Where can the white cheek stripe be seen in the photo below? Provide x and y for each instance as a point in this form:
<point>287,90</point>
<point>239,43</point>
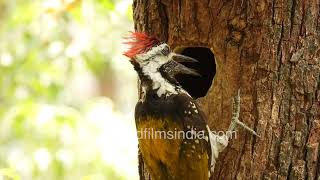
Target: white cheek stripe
<point>151,69</point>
<point>158,82</point>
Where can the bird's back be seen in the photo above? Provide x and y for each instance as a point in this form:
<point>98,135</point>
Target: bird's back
<point>169,137</point>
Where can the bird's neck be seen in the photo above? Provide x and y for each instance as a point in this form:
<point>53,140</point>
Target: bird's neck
<point>155,82</point>
<point>159,85</point>
<point>152,80</point>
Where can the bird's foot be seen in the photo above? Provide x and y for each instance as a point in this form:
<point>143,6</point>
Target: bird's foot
<point>219,143</point>
<point>235,116</point>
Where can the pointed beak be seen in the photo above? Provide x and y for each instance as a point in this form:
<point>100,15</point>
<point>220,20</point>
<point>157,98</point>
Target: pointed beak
<point>175,67</point>
<point>178,68</point>
<point>182,58</point>
<point>181,69</point>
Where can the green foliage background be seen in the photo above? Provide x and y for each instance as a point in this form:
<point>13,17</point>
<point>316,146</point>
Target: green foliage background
<point>66,93</point>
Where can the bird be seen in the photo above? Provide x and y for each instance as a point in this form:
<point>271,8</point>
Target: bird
<point>174,138</point>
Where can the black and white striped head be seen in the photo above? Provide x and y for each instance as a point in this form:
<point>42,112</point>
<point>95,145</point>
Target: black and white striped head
<point>155,60</point>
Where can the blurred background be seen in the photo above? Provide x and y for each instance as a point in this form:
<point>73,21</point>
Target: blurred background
<point>67,94</point>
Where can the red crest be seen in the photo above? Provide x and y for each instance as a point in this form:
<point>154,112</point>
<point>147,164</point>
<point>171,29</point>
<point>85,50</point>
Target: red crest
<point>139,43</point>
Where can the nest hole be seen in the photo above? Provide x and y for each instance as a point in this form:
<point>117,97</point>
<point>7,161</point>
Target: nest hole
<point>198,86</point>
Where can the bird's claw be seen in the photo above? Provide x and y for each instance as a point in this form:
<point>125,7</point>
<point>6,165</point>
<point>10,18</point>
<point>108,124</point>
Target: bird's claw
<point>235,116</point>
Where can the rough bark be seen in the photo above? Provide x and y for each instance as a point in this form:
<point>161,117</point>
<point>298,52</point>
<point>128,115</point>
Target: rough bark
<point>271,51</point>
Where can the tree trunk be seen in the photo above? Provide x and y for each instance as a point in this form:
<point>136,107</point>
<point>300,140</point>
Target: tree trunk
<point>271,51</point>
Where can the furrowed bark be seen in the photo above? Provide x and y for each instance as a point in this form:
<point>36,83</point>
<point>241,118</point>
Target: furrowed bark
<point>271,51</point>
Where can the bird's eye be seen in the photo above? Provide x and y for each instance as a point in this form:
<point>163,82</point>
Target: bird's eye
<point>166,50</point>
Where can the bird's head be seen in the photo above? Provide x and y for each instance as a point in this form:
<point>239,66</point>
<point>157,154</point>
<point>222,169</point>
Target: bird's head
<point>152,58</point>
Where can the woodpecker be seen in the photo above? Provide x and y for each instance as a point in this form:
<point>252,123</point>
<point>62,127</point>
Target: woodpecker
<point>165,108</point>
